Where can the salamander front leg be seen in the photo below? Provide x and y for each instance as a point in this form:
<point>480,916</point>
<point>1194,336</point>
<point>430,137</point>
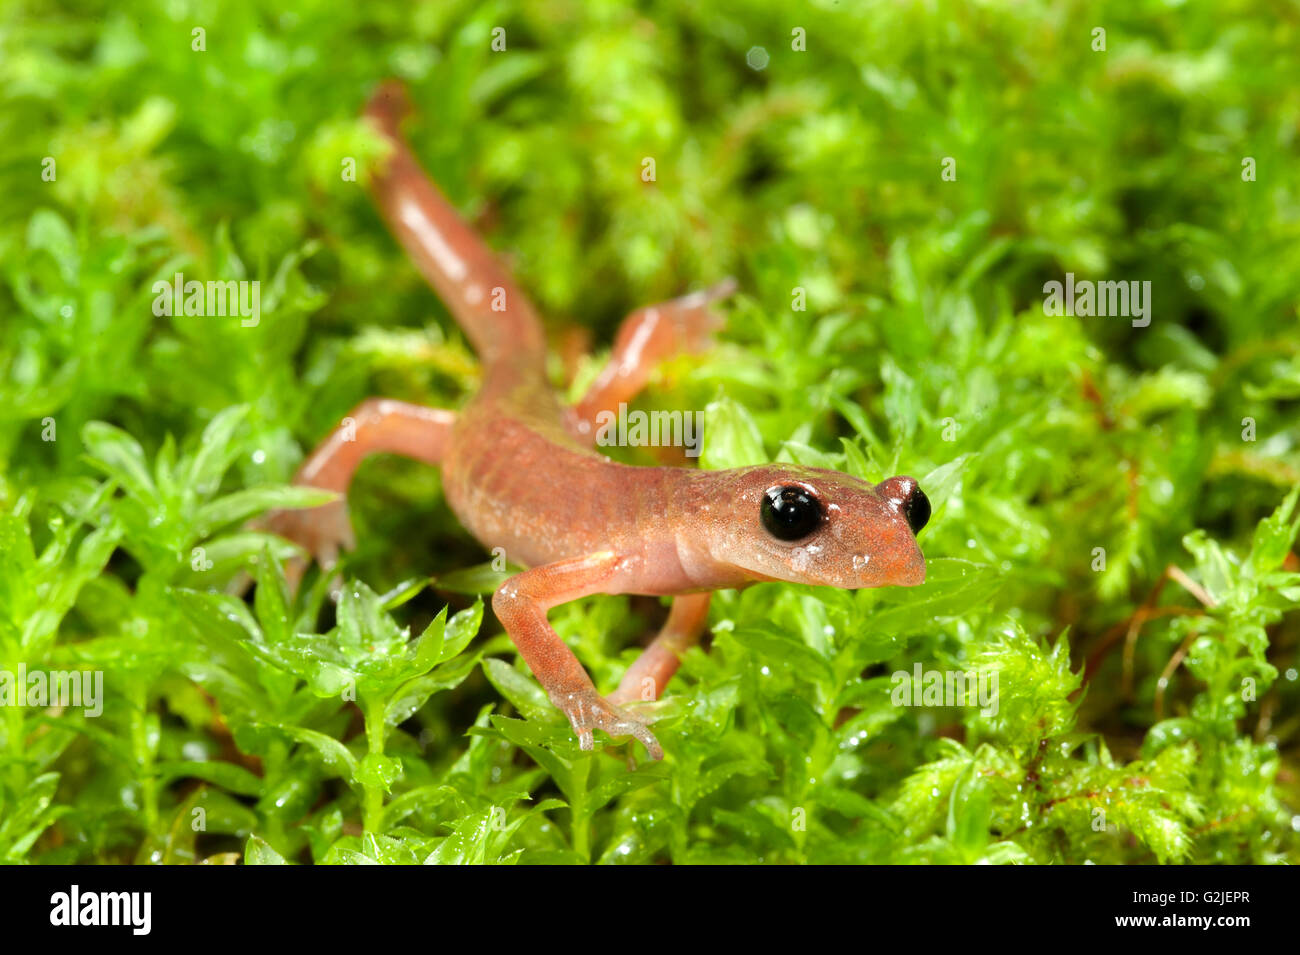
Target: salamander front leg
<point>521,604</point>
<point>646,678</point>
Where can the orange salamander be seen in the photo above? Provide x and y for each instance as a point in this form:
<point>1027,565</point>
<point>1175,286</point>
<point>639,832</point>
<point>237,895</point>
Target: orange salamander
<point>520,473</point>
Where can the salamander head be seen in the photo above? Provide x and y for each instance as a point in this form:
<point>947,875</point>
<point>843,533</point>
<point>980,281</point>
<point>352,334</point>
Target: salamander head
<point>815,526</point>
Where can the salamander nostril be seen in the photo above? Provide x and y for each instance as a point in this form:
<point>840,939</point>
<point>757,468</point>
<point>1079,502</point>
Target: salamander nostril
<point>916,508</point>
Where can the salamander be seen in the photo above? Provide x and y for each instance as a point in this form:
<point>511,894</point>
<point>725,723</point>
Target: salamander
<point>520,471</point>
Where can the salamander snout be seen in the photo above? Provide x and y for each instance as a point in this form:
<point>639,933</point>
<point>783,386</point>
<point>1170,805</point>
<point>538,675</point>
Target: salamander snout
<point>901,509</point>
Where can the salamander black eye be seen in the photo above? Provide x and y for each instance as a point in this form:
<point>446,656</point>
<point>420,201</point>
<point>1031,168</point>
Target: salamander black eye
<point>790,512</point>
<point>903,494</point>
<point>917,510</point>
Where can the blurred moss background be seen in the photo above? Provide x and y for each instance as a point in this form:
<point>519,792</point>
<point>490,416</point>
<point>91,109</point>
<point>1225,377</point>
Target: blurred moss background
<point>146,137</point>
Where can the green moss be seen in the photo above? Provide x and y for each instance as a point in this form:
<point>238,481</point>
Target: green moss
<point>1070,460</point>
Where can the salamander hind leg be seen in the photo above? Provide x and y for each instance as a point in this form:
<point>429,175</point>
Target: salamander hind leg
<point>646,338</point>
<point>375,426</point>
